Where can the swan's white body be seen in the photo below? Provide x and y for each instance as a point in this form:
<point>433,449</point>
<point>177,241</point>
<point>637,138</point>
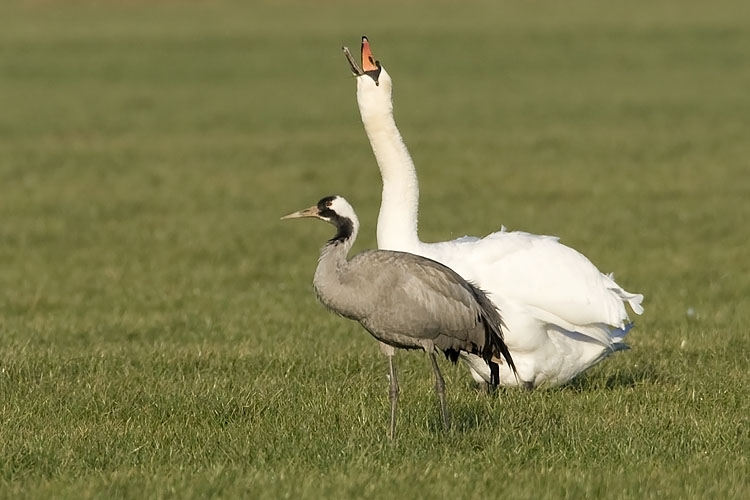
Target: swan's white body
<point>562,315</point>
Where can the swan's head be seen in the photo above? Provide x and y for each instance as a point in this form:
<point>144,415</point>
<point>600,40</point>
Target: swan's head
<point>336,211</point>
<point>374,84</point>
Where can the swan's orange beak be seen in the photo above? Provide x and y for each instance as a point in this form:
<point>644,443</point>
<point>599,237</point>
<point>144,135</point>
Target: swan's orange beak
<point>368,60</point>
<point>370,66</point>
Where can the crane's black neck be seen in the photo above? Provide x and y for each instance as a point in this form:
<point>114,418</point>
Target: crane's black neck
<point>344,229</point>
<point>344,225</point>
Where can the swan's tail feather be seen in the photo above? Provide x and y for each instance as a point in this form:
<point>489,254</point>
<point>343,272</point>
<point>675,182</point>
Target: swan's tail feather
<point>618,335</point>
<point>634,299</point>
<point>620,346</point>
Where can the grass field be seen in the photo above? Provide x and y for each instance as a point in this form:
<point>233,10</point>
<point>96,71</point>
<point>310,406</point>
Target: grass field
<point>159,337</point>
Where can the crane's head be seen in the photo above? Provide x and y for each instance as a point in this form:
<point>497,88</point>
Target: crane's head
<point>336,211</point>
<point>374,84</point>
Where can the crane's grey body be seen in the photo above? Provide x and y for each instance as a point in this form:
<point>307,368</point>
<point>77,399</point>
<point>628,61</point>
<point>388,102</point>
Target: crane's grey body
<point>405,301</point>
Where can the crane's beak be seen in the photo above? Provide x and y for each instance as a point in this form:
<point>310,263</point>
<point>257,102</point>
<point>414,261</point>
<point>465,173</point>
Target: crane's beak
<point>369,67</point>
<point>308,212</point>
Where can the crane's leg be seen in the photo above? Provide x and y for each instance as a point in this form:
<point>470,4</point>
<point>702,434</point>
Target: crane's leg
<point>440,390</point>
<point>393,391</point>
<point>393,394</point>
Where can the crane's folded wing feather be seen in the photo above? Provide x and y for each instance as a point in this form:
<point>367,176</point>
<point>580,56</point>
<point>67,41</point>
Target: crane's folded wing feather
<point>418,296</point>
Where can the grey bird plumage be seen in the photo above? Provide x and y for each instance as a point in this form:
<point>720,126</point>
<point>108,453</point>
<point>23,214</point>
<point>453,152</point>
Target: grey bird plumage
<point>404,300</point>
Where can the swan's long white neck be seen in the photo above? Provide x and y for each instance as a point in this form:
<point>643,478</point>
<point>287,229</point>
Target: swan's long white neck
<point>397,221</point>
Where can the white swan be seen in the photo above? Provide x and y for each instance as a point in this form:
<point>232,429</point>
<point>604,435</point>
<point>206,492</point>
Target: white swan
<point>562,315</point>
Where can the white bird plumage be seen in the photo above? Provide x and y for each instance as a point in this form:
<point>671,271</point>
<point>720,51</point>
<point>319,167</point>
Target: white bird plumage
<point>562,315</point>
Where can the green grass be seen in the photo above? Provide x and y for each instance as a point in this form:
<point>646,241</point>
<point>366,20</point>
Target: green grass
<point>158,333</point>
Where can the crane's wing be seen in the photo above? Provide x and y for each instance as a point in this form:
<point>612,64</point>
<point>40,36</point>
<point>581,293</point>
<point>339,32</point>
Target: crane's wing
<point>414,290</point>
<point>417,298</point>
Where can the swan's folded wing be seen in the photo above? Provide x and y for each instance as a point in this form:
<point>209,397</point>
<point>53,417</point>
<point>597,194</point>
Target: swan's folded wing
<point>541,273</point>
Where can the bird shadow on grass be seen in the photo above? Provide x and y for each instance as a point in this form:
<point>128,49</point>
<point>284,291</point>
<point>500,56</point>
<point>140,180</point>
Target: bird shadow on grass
<point>630,378</point>
<point>468,415</point>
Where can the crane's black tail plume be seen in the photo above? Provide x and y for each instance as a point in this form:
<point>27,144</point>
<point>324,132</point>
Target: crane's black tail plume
<point>494,343</point>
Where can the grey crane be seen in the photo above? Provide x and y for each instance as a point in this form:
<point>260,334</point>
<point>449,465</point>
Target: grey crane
<point>405,301</point>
